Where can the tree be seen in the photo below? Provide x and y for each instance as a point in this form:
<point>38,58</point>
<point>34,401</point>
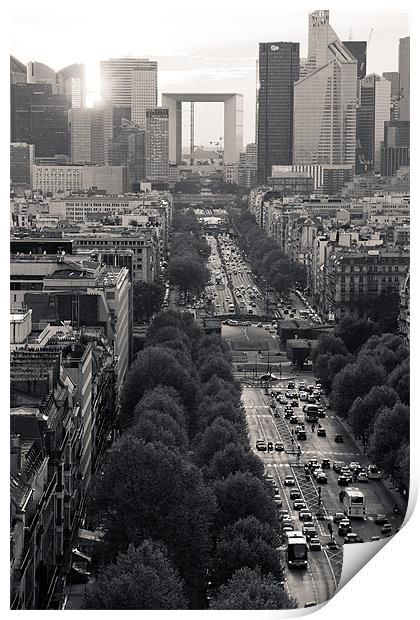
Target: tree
<point>224,405</point>
<point>241,495</point>
<point>363,411</point>
<point>234,458</point>
<point>383,309</point>
<point>155,366</point>
<point>355,332</point>
<point>187,272</point>
<point>402,467</point>
<point>216,366</point>
<point>163,399</point>
<point>389,350</point>
<point>215,438</point>
<point>249,589</point>
<point>392,430</point>
<point>399,379</point>
<point>154,426</point>
<point>328,365</point>
<point>355,380</point>
<point>328,343</point>
<point>149,491</point>
<point>147,299</point>
<point>142,578</point>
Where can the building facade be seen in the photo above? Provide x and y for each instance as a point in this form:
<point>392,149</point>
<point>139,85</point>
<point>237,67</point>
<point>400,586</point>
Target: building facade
<point>372,114</point>
<point>64,179</point>
<point>325,100</point>
<point>39,117</point>
<point>404,73</point>
<point>278,70</point>
<point>157,145</point>
<point>21,163</point>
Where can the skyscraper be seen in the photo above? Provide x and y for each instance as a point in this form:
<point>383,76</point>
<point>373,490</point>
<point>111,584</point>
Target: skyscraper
<point>358,50</point>
<point>130,82</point>
<point>21,162</point>
<point>404,71</point>
<point>80,129</point>
<point>73,84</point>
<point>278,71</point>
<point>395,151</point>
<point>325,99</point>
<point>157,144</point>
<point>374,110</point>
<point>39,117</point>
<point>394,78</point>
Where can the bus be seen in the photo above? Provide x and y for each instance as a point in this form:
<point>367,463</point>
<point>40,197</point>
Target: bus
<point>297,550</point>
<point>354,503</point>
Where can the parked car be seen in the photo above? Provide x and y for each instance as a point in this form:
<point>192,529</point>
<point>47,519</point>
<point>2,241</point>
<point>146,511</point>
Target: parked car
<point>278,447</point>
<point>261,446</point>
<point>289,481</point>
<point>339,438</point>
<point>321,432</point>
<point>381,519</point>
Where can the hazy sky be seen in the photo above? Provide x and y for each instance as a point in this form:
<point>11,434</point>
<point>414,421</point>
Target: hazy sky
<point>200,46</point>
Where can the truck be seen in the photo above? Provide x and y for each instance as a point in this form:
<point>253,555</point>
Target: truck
<point>297,550</point>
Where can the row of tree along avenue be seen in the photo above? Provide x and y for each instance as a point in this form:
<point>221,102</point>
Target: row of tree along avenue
<point>367,376</point>
<point>267,259</point>
<point>187,515</point>
<point>189,253</point>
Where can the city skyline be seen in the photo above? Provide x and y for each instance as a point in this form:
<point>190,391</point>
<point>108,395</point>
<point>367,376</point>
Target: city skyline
<point>193,60</point>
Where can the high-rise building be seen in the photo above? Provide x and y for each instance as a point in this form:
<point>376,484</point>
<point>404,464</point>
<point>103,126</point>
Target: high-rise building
<point>74,88</point>
<point>395,152</point>
<point>39,117</point>
<point>157,144</point>
<point>17,71</point>
<point>69,81</point>
<point>404,71</point>
<point>130,82</point>
<point>358,50</point>
<point>374,110</point>
<point>278,71</point>
<point>21,162</point>
<point>325,100</point>
<point>394,78</point>
<point>80,129</point>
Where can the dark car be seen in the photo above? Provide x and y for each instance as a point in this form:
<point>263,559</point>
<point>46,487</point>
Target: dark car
<point>294,494</point>
<point>352,538</point>
<point>302,434</point>
<point>321,432</point>
<point>278,447</point>
<point>291,385</point>
<point>294,419</point>
<point>339,438</point>
<point>381,519</point>
<point>305,515</point>
<point>386,529</point>
<point>321,412</point>
<point>344,527</point>
<point>288,415</point>
<point>261,446</point>
<point>321,478</point>
<point>294,403</point>
<point>314,544</point>
<point>299,504</point>
<point>343,481</point>
<point>326,464</point>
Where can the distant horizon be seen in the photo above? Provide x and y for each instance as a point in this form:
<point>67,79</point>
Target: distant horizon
<point>194,60</point>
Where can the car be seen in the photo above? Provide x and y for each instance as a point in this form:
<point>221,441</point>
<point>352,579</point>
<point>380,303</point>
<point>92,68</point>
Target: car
<point>321,412</point>
<point>326,464</point>
<point>305,515</point>
<point>301,385</point>
<point>288,394</point>
<point>288,414</point>
<point>321,432</point>
<point>375,538</point>
<point>270,480</point>
<point>259,324</point>
<point>301,434</point>
<point>322,478</point>
<point>291,385</point>
<point>311,533</point>
<point>314,544</point>
<point>344,527</point>
<point>283,400</point>
<point>278,500</point>
<point>386,529</point>
<point>355,466</point>
<point>311,604</point>
<point>288,409</point>
<point>303,396</point>
<point>289,481</point>
<point>311,399</point>
<point>299,504</point>
<point>294,403</point>
<point>314,464</point>
<point>352,537</point>
<point>338,517</point>
<point>261,446</point>
<point>278,447</point>
<point>287,528</point>
<point>339,438</point>
<point>294,419</point>
<point>294,494</point>
<point>381,519</point>
<point>276,414</point>
<point>362,476</point>
<point>284,513</point>
<point>307,526</point>
<point>338,465</point>
<point>343,481</point>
